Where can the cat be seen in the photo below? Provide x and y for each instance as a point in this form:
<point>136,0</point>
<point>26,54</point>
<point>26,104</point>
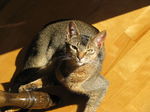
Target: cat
<point>78,49</point>
<point>79,70</point>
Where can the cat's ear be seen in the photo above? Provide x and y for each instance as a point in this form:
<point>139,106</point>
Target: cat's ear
<point>72,29</point>
<point>99,39</point>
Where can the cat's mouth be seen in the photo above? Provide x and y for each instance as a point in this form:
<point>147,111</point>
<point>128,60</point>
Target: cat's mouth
<point>80,63</point>
<point>75,61</point>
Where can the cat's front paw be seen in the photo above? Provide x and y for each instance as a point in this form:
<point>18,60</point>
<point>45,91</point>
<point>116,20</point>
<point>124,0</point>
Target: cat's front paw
<point>31,86</point>
<point>28,87</point>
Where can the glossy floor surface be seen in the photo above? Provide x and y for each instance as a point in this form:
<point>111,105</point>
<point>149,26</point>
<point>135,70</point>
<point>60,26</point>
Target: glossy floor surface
<point>127,62</point>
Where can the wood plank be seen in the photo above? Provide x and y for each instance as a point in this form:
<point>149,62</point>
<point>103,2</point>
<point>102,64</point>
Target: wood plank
<point>8,65</point>
<point>119,43</point>
<point>132,95</point>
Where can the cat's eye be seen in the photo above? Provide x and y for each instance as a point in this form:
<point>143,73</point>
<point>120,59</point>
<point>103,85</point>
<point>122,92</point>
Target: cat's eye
<point>90,51</point>
<point>73,47</point>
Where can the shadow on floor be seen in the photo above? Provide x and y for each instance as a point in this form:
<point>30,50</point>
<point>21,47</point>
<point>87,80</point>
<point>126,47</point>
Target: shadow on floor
<point>21,19</point>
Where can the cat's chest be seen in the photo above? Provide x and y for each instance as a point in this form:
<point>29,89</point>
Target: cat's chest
<point>75,74</point>
<point>74,79</point>
<point>68,67</point>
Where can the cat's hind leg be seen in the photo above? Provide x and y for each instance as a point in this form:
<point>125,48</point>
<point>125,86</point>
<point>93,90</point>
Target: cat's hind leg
<point>95,96</point>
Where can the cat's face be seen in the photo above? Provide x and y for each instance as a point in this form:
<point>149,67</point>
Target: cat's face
<point>81,48</point>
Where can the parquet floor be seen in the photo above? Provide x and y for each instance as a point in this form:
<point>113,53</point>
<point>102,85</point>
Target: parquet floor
<point>127,63</point>
<point>126,66</point>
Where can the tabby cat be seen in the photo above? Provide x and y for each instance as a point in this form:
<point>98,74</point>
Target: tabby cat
<point>78,49</point>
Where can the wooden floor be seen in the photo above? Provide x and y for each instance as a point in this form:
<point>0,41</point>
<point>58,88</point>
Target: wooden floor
<point>126,66</point>
<point>127,63</point>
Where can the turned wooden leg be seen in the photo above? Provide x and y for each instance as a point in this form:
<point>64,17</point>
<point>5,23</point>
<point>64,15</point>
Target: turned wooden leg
<point>28,100</point>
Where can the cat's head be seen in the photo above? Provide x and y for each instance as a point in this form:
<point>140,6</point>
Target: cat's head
<point>82,48</point>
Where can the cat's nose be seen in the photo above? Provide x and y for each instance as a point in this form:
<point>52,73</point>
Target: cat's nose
<point>81,55</point>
